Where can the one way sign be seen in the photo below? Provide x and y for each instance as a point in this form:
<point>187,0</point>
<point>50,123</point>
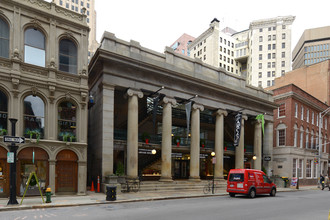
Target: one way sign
<point>17,140</point>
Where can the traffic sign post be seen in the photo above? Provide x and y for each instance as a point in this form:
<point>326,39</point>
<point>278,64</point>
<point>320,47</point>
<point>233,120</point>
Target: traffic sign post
<point>12,139</point>
<point>13,150</point>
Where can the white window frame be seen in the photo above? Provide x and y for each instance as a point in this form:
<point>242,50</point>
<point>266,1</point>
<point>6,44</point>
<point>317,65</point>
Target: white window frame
<point>294,167</point>
<point>301,167</point>
<point>280,128</point>
<point>307,115</point>
<point>312,117</point>
<point>301,137</point>
<point>278,110</point>
<point>296,110</point>
<point>309,168</point>
<point>302,113</point>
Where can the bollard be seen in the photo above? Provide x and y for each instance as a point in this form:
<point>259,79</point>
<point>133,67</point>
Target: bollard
<point>48,195</point>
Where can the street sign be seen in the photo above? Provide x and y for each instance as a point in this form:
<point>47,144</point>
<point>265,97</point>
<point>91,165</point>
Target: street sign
<point>12,139</point>
<point>267,158</point>
<point>214,160</point>
<point>10,157</point>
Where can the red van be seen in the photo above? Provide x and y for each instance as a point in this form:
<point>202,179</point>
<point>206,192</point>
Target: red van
<point>250,182</point>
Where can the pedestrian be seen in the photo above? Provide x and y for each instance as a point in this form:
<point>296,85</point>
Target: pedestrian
<point>322,181</point>
<point>326,181</point>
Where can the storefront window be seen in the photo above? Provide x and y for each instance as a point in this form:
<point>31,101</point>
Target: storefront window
<point>3,113</point>
<point>34,117</point>
<point>29,164</point>
<point>67,121</point>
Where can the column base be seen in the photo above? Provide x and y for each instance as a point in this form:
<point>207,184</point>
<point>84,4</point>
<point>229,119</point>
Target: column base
<point>218,178</point>
<point>194,178</point>
<point>165,179</point>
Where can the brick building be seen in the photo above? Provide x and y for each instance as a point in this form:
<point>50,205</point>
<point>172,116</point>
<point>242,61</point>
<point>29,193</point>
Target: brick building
<point>296,135</point>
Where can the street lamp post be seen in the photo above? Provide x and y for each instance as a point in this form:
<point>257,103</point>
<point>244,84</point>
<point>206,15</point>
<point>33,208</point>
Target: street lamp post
<point>321,115</point>
<point>213,162</point>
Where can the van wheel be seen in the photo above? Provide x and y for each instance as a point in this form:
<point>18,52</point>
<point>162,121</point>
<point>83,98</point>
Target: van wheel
<point>273,192</point>
<point>232,194</point>
<point>252,193</point>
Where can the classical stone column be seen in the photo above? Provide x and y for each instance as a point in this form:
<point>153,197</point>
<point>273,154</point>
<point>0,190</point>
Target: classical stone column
<point>239,152</point>
<point>218,145</point>
<point>268,147</point>
<point>52,166</point>
<point>195,141</point>
<point>257,145</point>
<point>167,139</point>
<point>82,177</point>
<point>132,132</point>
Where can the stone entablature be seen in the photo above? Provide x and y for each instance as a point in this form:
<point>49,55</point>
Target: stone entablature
<point>183,69</point>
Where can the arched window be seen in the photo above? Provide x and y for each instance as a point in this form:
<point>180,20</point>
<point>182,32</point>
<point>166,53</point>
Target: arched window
<point>295,138</point>
<point>34,47</point>
<point>301,136</point>
<point>67,121</point>
<point>68,56</point>
<point>4,39</point>
<point>3,113</point>
<point>281,135</point>
<point>307,138</point>
<point>34,117</point>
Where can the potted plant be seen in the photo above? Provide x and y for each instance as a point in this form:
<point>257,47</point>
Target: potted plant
<point>33,134</point>
<point>145,137</point>
<point>177,140</point>
<point>69,137</point>
<point>3,132</point>
<point>120,172</point>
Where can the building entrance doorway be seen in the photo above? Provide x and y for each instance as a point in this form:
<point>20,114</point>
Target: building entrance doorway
<point>66,171</point>
<point>181,169</point>
<point>4,174</point>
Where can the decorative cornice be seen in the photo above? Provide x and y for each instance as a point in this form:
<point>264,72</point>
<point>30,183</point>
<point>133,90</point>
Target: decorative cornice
<point>40,3</point>
<point>68,13</point>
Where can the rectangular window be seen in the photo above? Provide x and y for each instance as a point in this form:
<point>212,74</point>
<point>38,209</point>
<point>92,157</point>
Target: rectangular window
<point>294,168</point>
<point>269,46</point>
<point>82,3</point>
<point>87,5</point>
<point>260,65</point>
<point>300,168</point>
<point>268,64</point>
<point>274,46</point>
<point>273,64</point>
<point>283,45</point>
<point>308,168</point>
<point>260,56</point>
<point>268,74</point>
<point>326,124</point>
<point>283,54</point>
<point>296,110</point>
<point>281,110</point>
<point>61,2</point>
<point>269,56</point>
<point>283,63</point>
<point>307,115</point>
<point>274,55</point>
<point>283,36</point>
<point>260,47</point>
<point>268,82</point>
<point>269,37</point>
<point>67,5</point>
<point>260,83</point>
<point>281,137</point>
<point>273,73</point>
<point>72,7</point>
<point>260,38</point>
<point>260,30</point>
<point>260,74</point>
<point>274,37</point>
<point>302,113</point>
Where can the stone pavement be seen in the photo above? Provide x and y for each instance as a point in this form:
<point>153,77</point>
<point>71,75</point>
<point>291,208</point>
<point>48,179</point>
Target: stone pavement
<point>93,198</point>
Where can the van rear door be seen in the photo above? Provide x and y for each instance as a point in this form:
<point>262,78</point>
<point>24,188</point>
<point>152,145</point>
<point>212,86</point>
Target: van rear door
<point>236,181</point>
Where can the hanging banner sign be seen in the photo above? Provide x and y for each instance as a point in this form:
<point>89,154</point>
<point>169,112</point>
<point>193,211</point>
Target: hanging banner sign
<point>238,120</point>
<point>188,111</point>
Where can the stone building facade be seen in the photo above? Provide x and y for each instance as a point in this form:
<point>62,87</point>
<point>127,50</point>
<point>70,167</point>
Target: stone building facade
<point>296,135</point>
<point>44,85</point>
<point>139,120</point>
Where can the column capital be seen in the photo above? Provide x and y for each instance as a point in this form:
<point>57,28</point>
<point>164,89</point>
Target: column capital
<point>132,92</point>
<point>245,117</point>
<point>170,100</point>
<point>221,112</point>
<point>198,106</point>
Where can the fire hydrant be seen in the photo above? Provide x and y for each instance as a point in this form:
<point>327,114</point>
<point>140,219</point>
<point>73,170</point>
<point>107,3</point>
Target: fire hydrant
<point>48,195</point>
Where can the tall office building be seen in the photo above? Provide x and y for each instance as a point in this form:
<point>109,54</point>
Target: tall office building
<point>312,47</point>
<point>86,7</point>
<point>259,53</point>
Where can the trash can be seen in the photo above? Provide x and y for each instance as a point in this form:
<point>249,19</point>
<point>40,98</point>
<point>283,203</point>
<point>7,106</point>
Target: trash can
<point>48,195</point>
<point>111,193</point>
<point>286,180</point>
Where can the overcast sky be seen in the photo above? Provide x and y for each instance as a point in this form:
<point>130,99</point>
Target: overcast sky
<point>156,24</point>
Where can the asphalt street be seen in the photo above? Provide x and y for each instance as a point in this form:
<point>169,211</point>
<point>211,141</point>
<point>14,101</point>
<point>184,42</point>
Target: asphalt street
<point>311,204</point>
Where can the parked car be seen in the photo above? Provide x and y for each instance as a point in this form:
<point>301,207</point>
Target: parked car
<point>249,182</point>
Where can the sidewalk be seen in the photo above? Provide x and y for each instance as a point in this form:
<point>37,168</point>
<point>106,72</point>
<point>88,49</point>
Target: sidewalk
<point>93,198</point>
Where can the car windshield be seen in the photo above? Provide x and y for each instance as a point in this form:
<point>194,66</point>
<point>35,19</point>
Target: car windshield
<point>236,177</point>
